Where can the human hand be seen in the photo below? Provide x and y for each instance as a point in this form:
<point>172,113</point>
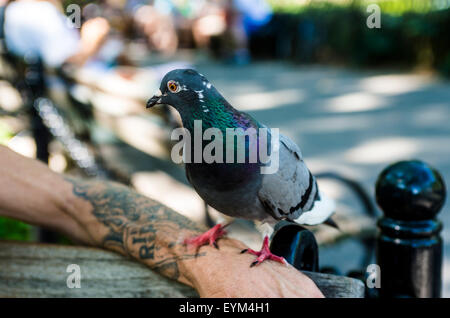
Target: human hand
<point>227,273</point>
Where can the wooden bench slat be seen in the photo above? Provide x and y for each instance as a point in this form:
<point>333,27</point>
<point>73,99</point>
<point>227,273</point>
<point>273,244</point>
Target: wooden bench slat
<point>39,270</point>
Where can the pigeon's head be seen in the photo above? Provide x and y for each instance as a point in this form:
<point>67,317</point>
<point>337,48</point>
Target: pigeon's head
<point>184,89</point>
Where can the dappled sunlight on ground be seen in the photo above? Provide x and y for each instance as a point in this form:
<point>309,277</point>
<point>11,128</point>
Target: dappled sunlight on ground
<point>175,195</point>
<point>263,100</point>
<point>356,102</point>
<point>382,150</point>
<point>394,84</point>
<point>329,125</point>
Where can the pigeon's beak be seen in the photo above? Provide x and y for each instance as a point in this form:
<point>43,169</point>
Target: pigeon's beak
<point>155,100</point>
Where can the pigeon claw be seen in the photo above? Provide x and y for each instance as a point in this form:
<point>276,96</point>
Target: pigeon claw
<point>264,254</point>
<point>208,238</point>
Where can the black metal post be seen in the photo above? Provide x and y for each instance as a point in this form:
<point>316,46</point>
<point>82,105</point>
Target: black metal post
<point>409,246</point>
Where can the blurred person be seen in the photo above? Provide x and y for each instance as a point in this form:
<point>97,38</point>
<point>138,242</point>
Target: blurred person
<point>198,19</point>
<point>91,57</point>
<point>158,28</point>
<point>230,21</point>
<point>129,16</point>
<point>209,22</point>
<point>245,17</point>
<point>113,217</point>
<point>254,14</point>
<point>38,28</point>
<point>96,46</point>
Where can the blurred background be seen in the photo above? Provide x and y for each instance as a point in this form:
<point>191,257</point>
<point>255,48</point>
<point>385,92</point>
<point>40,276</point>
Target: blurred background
<point>75,77</point>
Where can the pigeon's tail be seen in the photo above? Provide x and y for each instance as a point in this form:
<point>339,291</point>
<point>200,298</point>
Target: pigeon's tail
<point>321,211</point>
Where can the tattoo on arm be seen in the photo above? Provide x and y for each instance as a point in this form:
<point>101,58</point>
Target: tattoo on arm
<point>137,225</point>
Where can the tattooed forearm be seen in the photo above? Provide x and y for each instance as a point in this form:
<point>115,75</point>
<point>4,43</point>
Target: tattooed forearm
<point>138,226</point>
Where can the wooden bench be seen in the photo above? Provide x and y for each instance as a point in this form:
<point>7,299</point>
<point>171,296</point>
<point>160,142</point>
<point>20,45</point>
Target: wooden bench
<point>39,270</point>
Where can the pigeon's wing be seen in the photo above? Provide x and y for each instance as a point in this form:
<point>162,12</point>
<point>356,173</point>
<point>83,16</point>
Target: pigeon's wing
<point>291,146</point>
<point>291,190</point>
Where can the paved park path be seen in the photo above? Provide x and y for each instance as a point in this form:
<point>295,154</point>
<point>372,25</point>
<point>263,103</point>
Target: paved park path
<point>354,122</point>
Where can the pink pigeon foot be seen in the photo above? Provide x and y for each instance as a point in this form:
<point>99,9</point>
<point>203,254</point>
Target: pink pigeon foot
<point>264,254</point>
<point>209,237</point>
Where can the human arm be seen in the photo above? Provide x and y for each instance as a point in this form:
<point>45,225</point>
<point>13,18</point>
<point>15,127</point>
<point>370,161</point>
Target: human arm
<point>93,34</point>
<point>111,216</point>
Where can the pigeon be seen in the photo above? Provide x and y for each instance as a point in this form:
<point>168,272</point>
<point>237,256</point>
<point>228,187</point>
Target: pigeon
<point>240,189</point>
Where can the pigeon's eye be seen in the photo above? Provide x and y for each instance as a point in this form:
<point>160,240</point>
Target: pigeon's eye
<point>173,86</point>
